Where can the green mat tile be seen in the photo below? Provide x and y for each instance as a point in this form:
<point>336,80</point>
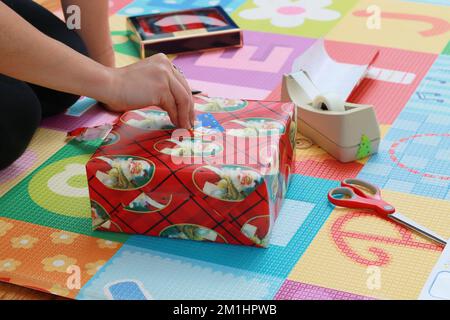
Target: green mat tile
<point>447,50</point>
<point>128,48</point>
<point>56,195</point>
<point>310,19</point>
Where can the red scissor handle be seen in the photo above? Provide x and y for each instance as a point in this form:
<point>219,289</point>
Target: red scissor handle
<point>352,195</point>
<point>362,188</point>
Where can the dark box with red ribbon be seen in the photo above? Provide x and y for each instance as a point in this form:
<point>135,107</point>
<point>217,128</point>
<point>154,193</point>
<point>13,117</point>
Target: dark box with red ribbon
<point>224,181</point>
<point>185,31</point>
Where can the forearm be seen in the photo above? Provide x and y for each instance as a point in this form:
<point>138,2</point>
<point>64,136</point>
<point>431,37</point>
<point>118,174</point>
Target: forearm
<point>29,55</point>
<point>94,30</point>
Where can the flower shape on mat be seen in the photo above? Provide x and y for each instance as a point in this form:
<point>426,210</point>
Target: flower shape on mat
<point>23,242</point>
<point>5,227</point>
<point>9,265</point>
<point>63,237</point>
<point>106,244</point>
<point>93,267</point>
<point>291,13</point>
<point>59,290</point>
<point>58,263</point>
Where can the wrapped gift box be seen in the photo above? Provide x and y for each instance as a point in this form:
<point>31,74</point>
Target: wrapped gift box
<point>224,181</point>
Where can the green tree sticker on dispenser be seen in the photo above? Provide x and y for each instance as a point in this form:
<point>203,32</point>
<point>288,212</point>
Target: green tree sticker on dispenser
<point>365,148</point>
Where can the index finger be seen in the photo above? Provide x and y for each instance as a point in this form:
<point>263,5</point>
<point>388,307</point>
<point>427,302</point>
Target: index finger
<point>180,77</point>
<point>169,105</point>
<point>183,103</point>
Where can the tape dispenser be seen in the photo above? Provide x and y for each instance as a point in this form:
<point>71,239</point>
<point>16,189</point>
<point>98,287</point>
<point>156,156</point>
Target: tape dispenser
<point>346,131</point>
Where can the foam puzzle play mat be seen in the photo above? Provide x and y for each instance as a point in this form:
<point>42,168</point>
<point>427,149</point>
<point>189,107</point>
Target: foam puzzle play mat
<point>317,250</point>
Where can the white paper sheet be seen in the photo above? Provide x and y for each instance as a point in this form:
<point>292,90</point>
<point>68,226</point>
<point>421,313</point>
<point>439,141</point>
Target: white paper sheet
<point>329,75</point>
<point>437,286</point>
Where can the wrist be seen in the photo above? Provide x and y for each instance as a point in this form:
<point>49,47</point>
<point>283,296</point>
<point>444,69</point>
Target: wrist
<point>105,86</point>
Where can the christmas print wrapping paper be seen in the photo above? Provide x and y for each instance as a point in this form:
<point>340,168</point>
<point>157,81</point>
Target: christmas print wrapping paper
<point>223,181</point>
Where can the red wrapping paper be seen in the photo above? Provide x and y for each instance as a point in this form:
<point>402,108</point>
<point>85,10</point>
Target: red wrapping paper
<point>224,181</point>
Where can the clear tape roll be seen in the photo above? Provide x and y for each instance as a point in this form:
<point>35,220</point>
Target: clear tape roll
<point>302,91</point>
<point>329,102</point>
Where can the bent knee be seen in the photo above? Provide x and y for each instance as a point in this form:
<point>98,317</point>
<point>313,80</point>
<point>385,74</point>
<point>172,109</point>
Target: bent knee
<point>22,117</point>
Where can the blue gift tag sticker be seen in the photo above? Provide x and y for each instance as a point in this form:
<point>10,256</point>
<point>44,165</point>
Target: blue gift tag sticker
<point>209,122</point>
<point>81,107</point>
<point>127,290</point>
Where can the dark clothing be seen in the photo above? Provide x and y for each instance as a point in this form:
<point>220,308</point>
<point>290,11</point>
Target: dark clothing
<point>23,105</point>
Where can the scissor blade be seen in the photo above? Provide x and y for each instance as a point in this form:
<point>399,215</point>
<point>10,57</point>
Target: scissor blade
<point>417,227</point>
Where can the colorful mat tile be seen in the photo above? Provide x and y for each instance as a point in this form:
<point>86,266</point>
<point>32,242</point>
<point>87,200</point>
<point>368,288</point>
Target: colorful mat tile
<point>317,251</point>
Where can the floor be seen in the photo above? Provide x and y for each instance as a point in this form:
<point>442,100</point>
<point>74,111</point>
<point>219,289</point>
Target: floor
<point>316,246</point>
<point>12,292</point>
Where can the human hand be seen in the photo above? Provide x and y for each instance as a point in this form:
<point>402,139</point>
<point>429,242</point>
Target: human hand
<point>151,82</point>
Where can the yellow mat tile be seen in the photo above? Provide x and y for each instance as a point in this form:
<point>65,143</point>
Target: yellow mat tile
<point>404,25</point>
<point>354,246</point>
<point>44,144</point>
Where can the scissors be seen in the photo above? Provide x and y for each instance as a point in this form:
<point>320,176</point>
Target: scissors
<point>356,193</point>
